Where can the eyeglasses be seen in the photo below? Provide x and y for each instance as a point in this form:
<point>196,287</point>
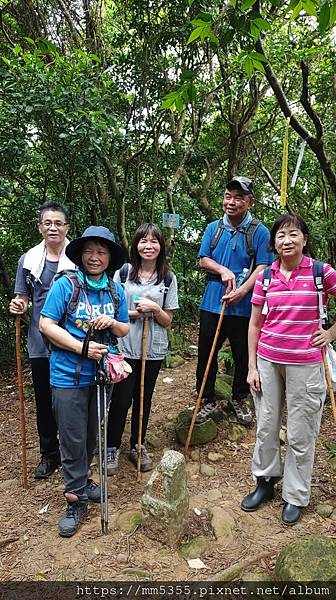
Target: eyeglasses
<point>49,224</point>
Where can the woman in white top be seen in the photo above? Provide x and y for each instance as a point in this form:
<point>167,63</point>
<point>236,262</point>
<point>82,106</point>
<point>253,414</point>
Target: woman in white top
<point>151,291</point>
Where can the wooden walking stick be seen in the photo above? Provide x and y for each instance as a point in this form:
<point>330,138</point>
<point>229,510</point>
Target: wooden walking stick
<point>142,390</point>
<point>200,393</point>
<point>21,402</point>
<point>329,383</point>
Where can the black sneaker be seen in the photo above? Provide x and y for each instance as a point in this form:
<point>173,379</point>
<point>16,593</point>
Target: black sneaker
<point>241,410</point>
<point>70,522</point>
<point>46,467</point>
<point>210,410</point>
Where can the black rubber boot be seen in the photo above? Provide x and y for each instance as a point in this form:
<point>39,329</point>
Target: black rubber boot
<point>290,514</point>
<point>263,492</point>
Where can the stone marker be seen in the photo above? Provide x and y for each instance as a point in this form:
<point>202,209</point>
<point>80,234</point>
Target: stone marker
<point>165,500</point>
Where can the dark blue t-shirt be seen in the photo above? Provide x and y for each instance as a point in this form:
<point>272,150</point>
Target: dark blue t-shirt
<point>63,363</point>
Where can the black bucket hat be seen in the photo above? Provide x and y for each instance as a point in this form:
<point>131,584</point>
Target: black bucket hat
<point>100,234</point>
<point>244,182</point>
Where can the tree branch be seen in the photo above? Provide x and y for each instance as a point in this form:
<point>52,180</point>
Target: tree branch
<point>315,144</point>
<point>304,99</point>
<point>3,29</point>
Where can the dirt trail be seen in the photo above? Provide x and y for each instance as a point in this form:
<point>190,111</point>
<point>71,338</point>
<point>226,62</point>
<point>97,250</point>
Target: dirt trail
<point>30,548</point>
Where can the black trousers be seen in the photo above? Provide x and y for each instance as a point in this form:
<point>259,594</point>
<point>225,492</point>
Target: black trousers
<point>46,424</point>
<point>234,329</point>
<point>76,414</point>
<point>127,393</point>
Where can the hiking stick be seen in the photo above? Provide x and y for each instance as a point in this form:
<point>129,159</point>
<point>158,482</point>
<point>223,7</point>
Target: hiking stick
<point>21,401</point>
<point>200,393</point>
<point>102,444</point>
<point>329,383</point>
<point>142,390</point>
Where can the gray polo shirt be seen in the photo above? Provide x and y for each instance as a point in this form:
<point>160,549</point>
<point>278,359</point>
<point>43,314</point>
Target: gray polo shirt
<point>37,292</point>
<point>157,341</point>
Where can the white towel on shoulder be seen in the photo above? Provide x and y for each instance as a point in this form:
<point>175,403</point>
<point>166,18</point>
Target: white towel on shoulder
<point>35,258</point>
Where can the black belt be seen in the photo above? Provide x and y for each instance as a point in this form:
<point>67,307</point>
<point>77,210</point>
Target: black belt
<point>213,277</point>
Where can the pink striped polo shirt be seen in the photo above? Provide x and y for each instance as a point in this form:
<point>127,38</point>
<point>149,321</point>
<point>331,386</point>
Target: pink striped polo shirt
<point>293,313</point>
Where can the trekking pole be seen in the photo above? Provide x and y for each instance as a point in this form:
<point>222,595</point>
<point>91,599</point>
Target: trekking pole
<point>102,444</point>
<point>329,383</point>
<point>142,390</point>
<point>200,393</point>
<point>21,401</point>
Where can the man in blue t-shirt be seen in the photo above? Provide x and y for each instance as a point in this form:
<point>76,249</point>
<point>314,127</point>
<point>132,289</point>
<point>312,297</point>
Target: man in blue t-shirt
<point>227,264</point>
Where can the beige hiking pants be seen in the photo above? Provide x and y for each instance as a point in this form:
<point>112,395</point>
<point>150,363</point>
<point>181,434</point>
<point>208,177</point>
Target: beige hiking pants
<point>303,388</point>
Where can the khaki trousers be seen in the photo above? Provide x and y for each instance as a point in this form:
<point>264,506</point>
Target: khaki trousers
<point>303,389</point>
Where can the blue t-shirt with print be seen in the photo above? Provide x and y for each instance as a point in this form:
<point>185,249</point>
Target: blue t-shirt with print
<point>231,252</point>
<point>63,363</point>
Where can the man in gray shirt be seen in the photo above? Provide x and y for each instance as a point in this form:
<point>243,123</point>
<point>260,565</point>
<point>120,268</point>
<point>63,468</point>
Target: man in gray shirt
<point>34,275</point>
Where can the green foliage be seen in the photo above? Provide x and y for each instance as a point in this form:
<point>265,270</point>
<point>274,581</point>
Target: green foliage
<point>202,29</point>
<point>226,356</point>
<point>148,109</point>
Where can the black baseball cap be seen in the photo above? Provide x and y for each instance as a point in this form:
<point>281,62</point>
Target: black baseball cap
<point>244,182</point>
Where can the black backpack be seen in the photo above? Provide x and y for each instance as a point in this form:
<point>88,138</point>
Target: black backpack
<point>318,281</point>
<point>123,274</point>
<point>317,274</point>
<point>77,287</point>
<point>248,231</point>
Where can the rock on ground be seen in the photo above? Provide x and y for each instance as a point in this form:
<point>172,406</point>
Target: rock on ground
<point>223,525</point>
<point>308,559</point>
<point>202,432</point>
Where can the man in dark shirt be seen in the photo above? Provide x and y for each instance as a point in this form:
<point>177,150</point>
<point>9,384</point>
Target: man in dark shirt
<point>34,275</point>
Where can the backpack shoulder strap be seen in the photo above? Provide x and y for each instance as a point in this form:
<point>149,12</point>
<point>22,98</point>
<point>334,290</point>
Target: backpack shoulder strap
<point>167,281</point>
<point>123,273</point>
<point>113,293</point>
<point>267,276</point>
<point>77,286</point>
<point>218,232</point>
<point>249,233</point>
<point>318,274</point>
<point>318,281</point>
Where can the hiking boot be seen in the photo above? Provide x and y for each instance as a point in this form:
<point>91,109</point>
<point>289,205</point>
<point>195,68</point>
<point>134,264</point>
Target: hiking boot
<point>92,491</point>
<point>112,460</point>
<point>290,514</point>
<point>241,410</point>
<point>46,467</point>
<point>146,463</point>
<point>210,410</point>
<point>70,522</point>
<point>263,492</point>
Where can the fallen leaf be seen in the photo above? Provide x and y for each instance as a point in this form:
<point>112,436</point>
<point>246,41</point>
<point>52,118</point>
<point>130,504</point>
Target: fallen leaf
<point>40,577</point>
<point>196,563</point>
<point>44,509</point>
<point>96,550</point>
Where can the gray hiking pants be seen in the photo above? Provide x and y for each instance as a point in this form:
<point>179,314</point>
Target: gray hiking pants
<point>303,389</point>
<point>75,411</point>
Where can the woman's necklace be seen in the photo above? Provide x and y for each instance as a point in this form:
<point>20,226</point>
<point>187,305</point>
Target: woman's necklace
<point>145,277</point>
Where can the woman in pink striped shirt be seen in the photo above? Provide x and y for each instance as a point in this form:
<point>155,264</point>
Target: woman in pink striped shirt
<point>285,367</point>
